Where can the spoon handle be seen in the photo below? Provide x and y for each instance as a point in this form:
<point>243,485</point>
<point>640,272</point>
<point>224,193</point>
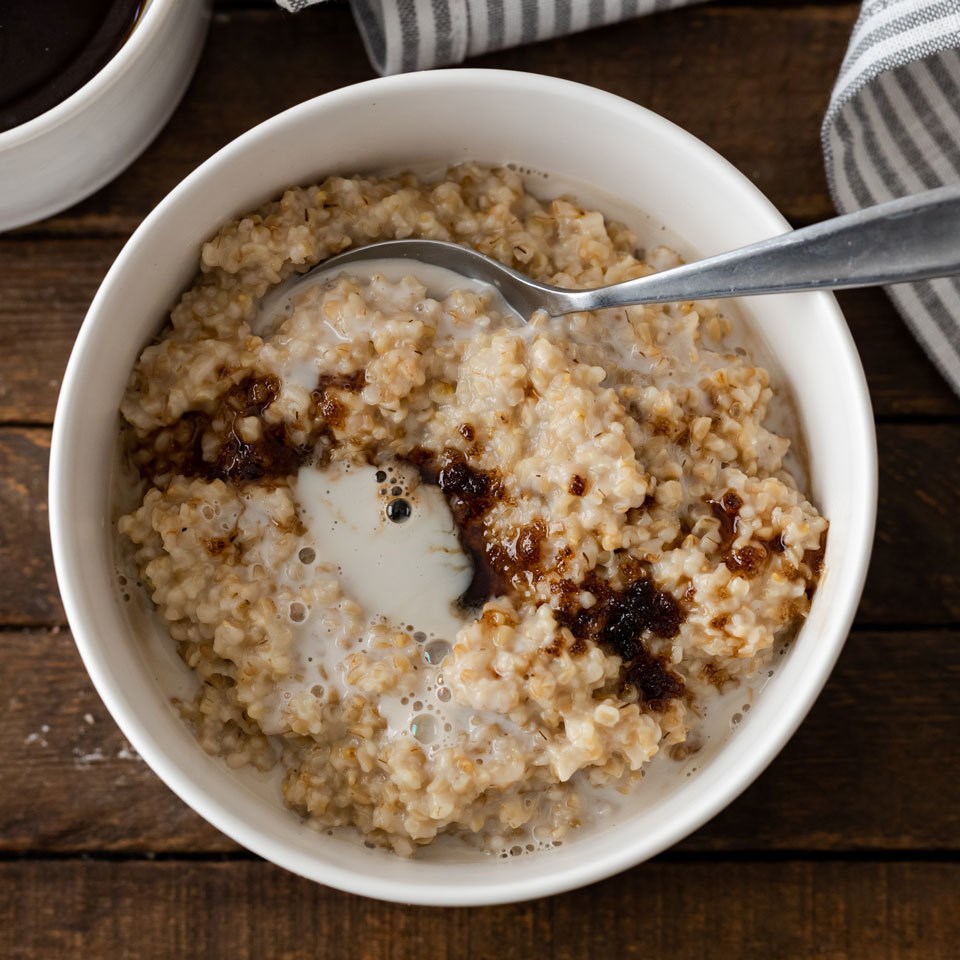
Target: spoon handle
<point>914,238</point>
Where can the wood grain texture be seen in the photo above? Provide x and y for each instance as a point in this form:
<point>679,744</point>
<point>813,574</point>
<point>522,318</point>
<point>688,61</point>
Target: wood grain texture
<point>45,290</point>
<point>684,911</point>
<point>846,847</point>
<point>28,589</point>
<point>915,571</point>
<point>48,284</point>
<point>914,577</point>
<point>901,378</point>
<point>753,82</point>
<point>99,795</point>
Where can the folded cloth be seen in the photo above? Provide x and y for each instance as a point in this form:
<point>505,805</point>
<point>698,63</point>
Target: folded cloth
<point>893,128</point>
<point>402,35</point>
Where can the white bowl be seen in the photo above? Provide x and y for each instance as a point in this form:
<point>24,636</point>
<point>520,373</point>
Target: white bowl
<point>74,148</point>
<point>618,149</point>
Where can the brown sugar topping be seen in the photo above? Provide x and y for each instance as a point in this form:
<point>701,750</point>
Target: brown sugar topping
<point>716,675</point>
<point>654,682</point>
<point>518,561</point>
<point>272,455</point>
<point>726,509</point>
<point>325,403</point>
<point>578,648</point>
<point>776,544</point>
<point>555,647</point>
<point>620,620</point>
<point>501,563</point>
<point>216,546</point>
<point>631,568</point>
<point>814,561</point>
<point>747,561</point>
<point>330,409</point>
<point>470,493</point>
<point>179,448</point>
<point>562,559</point>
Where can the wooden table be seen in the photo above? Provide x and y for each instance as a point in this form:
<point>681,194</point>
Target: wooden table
<point>846,847</point>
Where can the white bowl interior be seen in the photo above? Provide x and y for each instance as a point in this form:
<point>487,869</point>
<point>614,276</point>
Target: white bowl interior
<point>417,120</point>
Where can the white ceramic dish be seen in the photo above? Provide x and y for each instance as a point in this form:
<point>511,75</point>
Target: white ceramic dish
<point>74,148</point>
<point>620,150</point>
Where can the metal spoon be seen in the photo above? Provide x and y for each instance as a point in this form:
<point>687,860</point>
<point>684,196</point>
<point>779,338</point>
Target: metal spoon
<point>915,238</point>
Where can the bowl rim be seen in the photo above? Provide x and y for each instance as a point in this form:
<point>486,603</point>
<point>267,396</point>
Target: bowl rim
<point>150,19</point>
<point>502,889</point>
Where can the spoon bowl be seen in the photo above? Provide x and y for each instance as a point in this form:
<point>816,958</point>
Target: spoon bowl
<point>913,238</point>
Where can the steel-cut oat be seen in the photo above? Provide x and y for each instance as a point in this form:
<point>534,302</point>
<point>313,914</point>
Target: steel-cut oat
<point>639,540</point>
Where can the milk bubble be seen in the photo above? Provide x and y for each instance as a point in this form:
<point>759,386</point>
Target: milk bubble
<point>435,651</point>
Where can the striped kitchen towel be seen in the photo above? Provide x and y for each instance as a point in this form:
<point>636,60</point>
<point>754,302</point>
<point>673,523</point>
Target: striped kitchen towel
<point>403,35</point>
<point>892,128</point>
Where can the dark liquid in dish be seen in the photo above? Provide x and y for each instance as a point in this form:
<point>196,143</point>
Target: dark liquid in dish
<point>50,49</point>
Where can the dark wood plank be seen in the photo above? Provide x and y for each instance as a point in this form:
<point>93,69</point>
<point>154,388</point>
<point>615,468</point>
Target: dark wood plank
<point>914,578</point>
<point>762,110</point>
<point>63,743</point>
<point>28,590</point>
<point>902,379</point>
<point>707,911</point>
<point>45,289</point>
<point>891,770</point>
<point>915,571</point>
<point>47,286</point>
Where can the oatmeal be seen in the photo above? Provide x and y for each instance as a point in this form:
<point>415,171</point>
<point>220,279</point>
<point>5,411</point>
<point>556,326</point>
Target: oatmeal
<point>444,568</point>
